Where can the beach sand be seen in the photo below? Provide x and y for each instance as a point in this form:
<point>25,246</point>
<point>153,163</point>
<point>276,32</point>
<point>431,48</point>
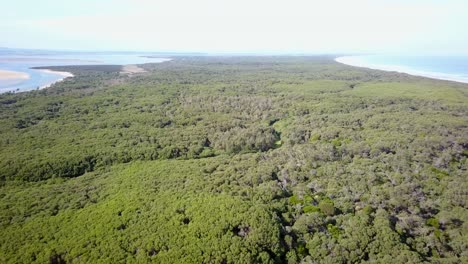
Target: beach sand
<point>129,69</point>
<point>64,74</point>
<point>358,62</point>
<point>8,75</point>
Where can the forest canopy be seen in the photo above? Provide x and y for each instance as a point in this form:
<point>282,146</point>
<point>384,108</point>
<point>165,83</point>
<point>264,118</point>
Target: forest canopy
<point>235,160</point>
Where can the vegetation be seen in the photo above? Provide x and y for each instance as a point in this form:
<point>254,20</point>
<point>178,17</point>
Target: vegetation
<point>235,160</point>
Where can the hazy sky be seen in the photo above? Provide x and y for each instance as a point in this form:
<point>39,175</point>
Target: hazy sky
<point>327,26</point>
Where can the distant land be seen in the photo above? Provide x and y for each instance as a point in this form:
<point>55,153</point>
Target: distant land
<point>24,62</point>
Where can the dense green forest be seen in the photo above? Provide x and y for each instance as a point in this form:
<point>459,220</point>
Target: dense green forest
<point>235,160</point>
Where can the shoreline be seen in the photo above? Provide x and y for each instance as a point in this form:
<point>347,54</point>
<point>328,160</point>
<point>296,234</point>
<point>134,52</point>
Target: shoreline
<point>357,62</point>
<point>34,76</point>
<point>61,73</point>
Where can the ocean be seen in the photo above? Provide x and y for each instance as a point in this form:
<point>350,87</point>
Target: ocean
<point>22,61</point>
<point>452,68</point>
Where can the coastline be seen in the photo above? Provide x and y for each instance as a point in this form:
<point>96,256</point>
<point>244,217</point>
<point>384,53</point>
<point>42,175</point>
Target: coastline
<point>356,61</point>
<point>60,73</point>
<point>39,76</point>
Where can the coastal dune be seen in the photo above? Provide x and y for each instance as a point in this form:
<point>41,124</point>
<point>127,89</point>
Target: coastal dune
<point>131,68</point>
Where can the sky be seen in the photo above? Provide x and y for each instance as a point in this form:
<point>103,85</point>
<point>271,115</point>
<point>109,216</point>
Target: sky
<point>258,26</point>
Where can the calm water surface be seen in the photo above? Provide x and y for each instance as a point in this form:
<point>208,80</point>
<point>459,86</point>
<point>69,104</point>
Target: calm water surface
<point>23,61</point>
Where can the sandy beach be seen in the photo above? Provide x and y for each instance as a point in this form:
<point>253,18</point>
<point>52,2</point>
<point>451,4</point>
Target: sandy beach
<point>64,74</point>
<point>358,62</point>
<point>8,75</point>
<point>131,68</point>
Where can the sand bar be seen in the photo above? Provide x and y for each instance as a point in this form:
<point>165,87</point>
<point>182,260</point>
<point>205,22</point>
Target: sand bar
<point>7,75</point>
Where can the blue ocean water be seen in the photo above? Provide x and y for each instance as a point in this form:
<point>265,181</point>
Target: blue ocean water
<point>23,60</point>
<point>453,68</point>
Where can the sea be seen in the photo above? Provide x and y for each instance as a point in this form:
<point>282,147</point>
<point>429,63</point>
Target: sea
<point>452,68</point>
<point>23,60</point>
